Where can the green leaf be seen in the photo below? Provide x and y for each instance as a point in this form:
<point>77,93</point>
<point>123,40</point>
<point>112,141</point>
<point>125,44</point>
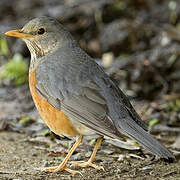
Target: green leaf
<point>15,71</point>
<point>172,5</point>
<point>153,122</point>
<point>119,5</point>
<point>136,143</point>
<point>25,120</point>
<point>174,105</point>
<point>45,132</point>
<point>60,158</point>
<point>4,46</point>
<point>178,103</point>
<point>50,146</point>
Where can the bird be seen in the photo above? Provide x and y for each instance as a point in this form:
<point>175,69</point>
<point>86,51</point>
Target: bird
<point>75,97</point>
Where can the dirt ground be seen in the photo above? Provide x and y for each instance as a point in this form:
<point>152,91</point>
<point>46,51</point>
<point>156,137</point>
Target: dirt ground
<point>23,160</point>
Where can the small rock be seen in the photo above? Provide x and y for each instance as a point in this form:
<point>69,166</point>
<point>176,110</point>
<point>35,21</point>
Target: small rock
<point>124,145</point>
<point>121,157</point>
<point>88,154</point>
<point>135,156</point>
<point>3,124</point>
<point>146,168</point>
<point>176,144</point>
<point>165,40</point>
<point>107,59</point>
<point>24,169</point>
<point>108,161</point>
<point>106,151</point>
<point>76,157</point>
<point>34,154</point>
<point>45,164</point>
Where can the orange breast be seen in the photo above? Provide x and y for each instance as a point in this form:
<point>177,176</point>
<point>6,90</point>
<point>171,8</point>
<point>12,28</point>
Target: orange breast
<point>55,119</point>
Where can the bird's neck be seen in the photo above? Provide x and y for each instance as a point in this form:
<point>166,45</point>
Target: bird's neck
<point>37,53</point>
<point>33,63</point>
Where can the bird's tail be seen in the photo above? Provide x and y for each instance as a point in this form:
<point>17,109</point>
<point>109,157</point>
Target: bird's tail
<point>132,129</point>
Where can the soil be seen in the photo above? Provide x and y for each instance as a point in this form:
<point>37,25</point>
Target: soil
<point>23,160</point>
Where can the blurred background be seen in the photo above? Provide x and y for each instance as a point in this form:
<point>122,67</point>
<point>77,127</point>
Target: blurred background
<point>136,42</point>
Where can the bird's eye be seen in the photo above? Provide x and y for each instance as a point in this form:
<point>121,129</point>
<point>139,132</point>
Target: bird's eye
<point>41,31</point>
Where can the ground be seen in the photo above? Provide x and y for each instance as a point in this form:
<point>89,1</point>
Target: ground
<point>20,159</point>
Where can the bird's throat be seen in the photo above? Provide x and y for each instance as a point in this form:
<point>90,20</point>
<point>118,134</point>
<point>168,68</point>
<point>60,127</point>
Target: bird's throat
<point>36,53</point>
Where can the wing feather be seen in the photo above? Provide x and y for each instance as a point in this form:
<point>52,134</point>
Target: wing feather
<point>69,85</point>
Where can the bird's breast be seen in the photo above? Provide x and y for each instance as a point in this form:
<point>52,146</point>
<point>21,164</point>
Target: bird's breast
<point>55,119</point>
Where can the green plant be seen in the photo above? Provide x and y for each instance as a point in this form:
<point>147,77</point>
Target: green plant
<point>4,50</point>
<point>15,71</point>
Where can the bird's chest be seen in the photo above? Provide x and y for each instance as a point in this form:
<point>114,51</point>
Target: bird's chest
<point>55,119</point>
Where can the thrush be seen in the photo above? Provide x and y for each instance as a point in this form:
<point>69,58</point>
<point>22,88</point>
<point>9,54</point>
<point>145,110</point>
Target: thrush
<point>73,94</point>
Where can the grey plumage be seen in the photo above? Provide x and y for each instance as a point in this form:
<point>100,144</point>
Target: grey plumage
<point>103,108</point>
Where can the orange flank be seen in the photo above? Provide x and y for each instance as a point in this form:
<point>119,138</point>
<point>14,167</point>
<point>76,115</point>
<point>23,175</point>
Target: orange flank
<point>55,119</point>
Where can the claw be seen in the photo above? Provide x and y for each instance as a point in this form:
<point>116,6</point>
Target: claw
<point>50,169</point>
<point>63,166</point>
<point>60,168</point>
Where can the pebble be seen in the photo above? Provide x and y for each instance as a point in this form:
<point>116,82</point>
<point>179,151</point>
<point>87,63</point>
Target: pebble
<point>146,168</point>
<point>88,154</point>
<point>106,151</point>
<point>76,157</point>
<point>121,157</point>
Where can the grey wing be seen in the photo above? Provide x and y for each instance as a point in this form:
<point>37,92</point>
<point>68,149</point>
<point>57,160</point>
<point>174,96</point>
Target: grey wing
<point>90,110</point>
<point>87,106</point>
<point>96,103</point>
<point>132,111</point>
<point>46,88</point>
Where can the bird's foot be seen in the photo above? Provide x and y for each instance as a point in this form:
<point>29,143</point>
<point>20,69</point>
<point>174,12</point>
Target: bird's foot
<point>86,164</point>
<point>60,168</point>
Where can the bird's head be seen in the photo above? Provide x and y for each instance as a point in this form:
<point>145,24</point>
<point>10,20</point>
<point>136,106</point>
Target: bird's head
<point>42,35</point>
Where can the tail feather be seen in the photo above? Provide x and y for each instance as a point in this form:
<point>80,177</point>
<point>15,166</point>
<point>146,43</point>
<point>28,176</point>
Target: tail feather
<point>133,130</point>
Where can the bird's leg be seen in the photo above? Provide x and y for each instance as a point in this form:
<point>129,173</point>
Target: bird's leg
<point>62,166</point>
<point>91,160</point>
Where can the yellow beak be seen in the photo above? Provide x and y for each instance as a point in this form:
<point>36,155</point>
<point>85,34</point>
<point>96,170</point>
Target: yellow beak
<point>19,34</point>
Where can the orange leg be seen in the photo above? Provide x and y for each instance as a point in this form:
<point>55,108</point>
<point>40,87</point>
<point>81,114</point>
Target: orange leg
<point>62,166</point>
<point>91,160</point>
